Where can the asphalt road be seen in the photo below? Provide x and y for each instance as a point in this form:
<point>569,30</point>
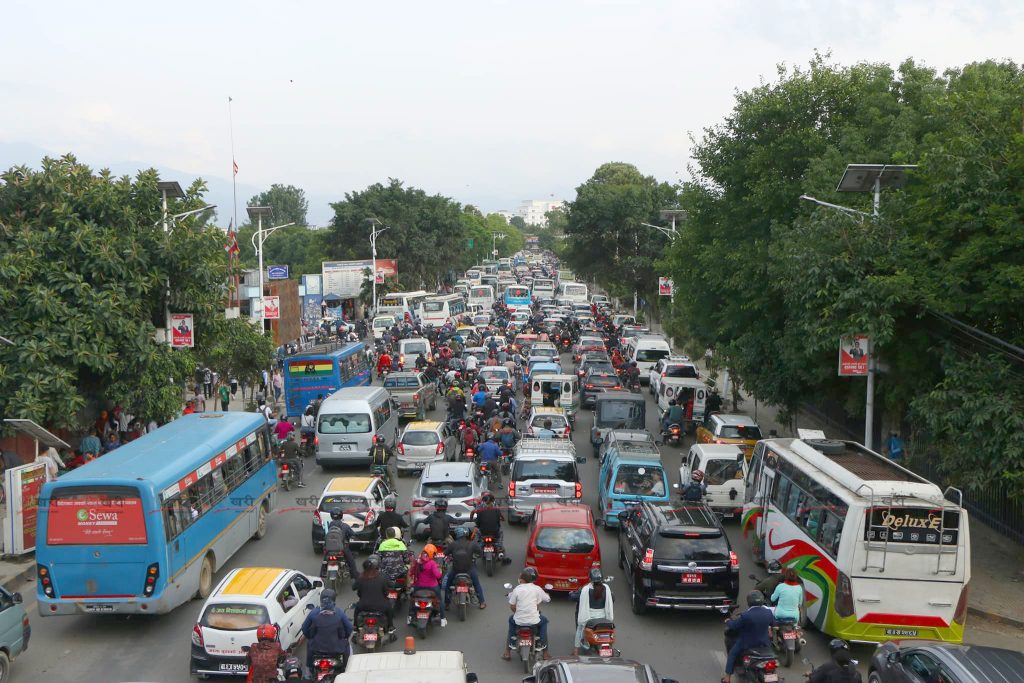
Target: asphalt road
<point>686,646</point>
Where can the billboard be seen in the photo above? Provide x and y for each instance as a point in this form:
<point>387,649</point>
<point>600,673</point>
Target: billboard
<point>853,355</point>
<point>345,278</point>
<point>277,272</point>
<point>182,334</point>
<point>665,286</point>
<point>272,307</point>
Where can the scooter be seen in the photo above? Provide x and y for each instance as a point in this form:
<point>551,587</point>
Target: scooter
<point>599,638</point>
<point>492,554</point>
<point>370,631</point>
<point>425,602</point>
<point>674,435</point>
<point>465,594</point>
<point>787,639</point>
<point>757,665</point>
<point>326,668</point>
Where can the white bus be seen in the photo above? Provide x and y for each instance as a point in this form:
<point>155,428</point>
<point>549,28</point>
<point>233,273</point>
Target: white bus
<point>481,295</point>
<point>437,310</point>
<point>400,303</point>
<point>882,552</point>
<point>543,288</point>
<point>573,291</point>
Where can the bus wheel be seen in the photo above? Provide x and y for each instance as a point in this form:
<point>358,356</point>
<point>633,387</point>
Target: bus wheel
<point>261,522</point>
<point>205,578</point>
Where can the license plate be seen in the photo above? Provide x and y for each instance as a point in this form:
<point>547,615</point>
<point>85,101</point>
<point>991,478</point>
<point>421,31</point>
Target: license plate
<point>345,446</point>
<point>332,567</point>
<point>369,637</point>
<point>545,490</point>
<point>691,578</point>
<point>605,651</point>
<point>233,667</point>
<point>488,548</point>
<point>462,589</point>
<point>101,607</point>
<point>771,678</point>
<point>789,635</point>
<point>525,642</point>
<point>422,615</point>
<point>904,632</point>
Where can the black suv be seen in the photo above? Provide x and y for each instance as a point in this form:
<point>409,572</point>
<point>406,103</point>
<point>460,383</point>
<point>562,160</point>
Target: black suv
<point>677,557</point>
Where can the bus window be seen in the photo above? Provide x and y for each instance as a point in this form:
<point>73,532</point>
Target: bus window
<point>831,531</point>
<point>781,494</point>
<point>234,472</point>
<point>219,488</point>
<point>251,458</point>
<point>810,515</point>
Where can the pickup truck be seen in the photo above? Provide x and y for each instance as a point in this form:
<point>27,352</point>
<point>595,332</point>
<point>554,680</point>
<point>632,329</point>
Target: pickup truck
<point>413,393</point>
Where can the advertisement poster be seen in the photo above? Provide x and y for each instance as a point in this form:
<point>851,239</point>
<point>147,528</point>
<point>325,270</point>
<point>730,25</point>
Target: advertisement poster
<point>272,307</point>
<point>23,485</point>
<point>345,278</point>
<point>853,355</point>
<point>664,286</point>
<point>182,335</point>
<point>96,519</point>
<point>312,284</point>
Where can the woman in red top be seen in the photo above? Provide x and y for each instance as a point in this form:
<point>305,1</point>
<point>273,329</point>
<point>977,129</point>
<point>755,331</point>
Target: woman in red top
<point>424,573</point>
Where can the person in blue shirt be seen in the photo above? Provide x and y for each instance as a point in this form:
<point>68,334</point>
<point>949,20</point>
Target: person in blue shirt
<point>894,448</point>
<point>480,397</point>
<point>327,630</point>
<point>751,630</point>
<point>489,450</point>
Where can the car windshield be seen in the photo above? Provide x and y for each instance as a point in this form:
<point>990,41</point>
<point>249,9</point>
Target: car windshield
<point>446,489</point>
<point>544,469</point>
<point>548,353</point>
<point>603,366</point>
<point>345,423</point>
<point>420,438</point>
<point>704,549</point>
<point>685,370</point>
<point>623,414</point>
<point>556,539</point>
<point>349,503</point>
<point>383,322</point>
<point>495,375</point>
<point>747,432</point>
<point>234,617</point>
<point>415,348</point>
<point>394,382</point>
<point>639,480</point>
<point>717,472</point>
<point>651,355</point>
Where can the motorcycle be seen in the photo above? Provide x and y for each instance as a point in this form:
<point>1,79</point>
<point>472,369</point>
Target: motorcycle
<point>336,570</point>
<point>425,601</point>
<point>492,554</point>
<point>465,594</point>
<point>757,665</point>
<point>286,476</point>
<point>526,640</point>
<point>674,435</point>
<point>633,384</point>
<point>309,444</point>
<point>599,638</point>
<point>370,630</point>
<point>490,471</point>
<point>787,639</point>
<point>326,668</point>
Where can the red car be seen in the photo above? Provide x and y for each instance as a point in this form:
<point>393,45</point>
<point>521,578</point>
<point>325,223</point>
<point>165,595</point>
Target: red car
<point>563,545</point>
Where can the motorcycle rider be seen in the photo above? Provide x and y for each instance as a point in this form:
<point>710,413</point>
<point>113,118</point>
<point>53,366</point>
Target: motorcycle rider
<point>751,629</point>
<point>337,522</point>
<point>264,655</point>
<point>292,456</point>
<point>394,555</point>
<point>421,362</point>
<point>507,435</point>
<point>308,424</point>
<point>488,519</point>
<point>463,553</point>
<point>384,362</point>
<point>595,602</point>
<point>695,491</point>
<point>372,589</point>
<point>424,573</point>
<point>788,596</point>
<point>389,518</point>
<point>381,456</point>
<point>672,416</point>
<point>632,374</point>
<point>489,451</point>
<point>841,669</point>
<point>440,524</point>
<point>327,631</point>
<point>292,670</point>
<point>525,601</point>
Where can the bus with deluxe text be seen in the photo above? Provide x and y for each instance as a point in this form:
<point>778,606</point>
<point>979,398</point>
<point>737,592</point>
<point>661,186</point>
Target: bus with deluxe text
<point>882,553</point>
<point>144,528</point>
<point>318,374</point>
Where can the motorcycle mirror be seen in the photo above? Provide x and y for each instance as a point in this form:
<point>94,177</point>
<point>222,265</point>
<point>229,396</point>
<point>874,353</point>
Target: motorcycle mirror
<point>309,607</point>
<point>318,583</point>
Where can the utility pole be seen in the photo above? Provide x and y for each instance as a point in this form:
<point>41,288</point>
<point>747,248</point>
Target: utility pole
<point>374,232</point>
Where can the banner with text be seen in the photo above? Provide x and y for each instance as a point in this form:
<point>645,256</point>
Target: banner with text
<point>272,308</point>
<point>853,355</point>
<point>665,286</point>
<point>182,335</point>
<point>345,278</point>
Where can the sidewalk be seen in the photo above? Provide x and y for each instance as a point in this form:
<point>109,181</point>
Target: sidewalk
<point>16,573</point>
<point>997,564</point>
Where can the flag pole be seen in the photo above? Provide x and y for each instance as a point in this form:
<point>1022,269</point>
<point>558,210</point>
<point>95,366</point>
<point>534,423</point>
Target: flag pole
<point>234,165</point>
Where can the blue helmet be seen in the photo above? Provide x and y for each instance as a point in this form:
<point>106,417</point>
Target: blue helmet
<point>460,532</point>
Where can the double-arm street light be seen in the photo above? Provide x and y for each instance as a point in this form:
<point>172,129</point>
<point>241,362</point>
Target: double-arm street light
<point>257,213</point>
<point>374,232</point>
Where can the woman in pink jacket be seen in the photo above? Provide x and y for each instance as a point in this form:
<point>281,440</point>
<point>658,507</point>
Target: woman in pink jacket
<point>424,573</point>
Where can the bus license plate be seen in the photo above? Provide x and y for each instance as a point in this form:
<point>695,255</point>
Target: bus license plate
<point>369,637</point>
<point>771,678</point>
<point>691,578</point>
<point>233,667</point>
<point>462,589</point>
<point>99,607</point>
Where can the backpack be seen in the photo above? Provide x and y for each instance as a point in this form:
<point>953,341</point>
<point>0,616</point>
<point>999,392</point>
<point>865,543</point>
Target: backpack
<point>334,541</point>
<point>462,555</point>
<point>438,527</point>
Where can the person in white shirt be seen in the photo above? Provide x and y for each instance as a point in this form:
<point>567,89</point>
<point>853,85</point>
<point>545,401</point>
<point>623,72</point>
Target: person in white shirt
<point>525,601</point>
<point>52,460</point>
<point>471,363</point>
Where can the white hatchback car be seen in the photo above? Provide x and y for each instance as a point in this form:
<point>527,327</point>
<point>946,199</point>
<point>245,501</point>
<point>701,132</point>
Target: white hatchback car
<point>672,366</point>
<point>245,599</point>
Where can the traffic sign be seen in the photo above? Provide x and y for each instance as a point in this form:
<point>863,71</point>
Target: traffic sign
<point>277,272</point>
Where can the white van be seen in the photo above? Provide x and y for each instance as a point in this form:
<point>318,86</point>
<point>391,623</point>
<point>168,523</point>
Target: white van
<point>381,324</point>
<point>437,666</point>
<point>725,468</point>
<point>481,295</point>
<point>646,350</point>
<point>687,392</point>
<point>543,288</point>
<point>347,422</point>
<point>573,291</point>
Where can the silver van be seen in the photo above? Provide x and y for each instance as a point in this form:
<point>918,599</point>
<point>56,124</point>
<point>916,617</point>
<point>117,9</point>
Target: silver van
<point>349,419</point>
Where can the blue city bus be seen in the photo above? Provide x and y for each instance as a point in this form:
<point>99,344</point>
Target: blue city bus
<point>310,375</point>
<point>143,528</point>
<point>517,297</point>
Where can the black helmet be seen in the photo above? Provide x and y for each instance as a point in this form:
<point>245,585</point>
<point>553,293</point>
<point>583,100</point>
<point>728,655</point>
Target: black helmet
<point>596,576</point>
<point>378,439</point>
<point>774,567</point>
<point>487,497</point>
<point>441,504</point>
<point>755,599</point>
<point>292,666</point>
<point>390,502</point>
<point>529,575</point>
<point>337,514</point>
<point>837,644</point>
<point>371,562</point>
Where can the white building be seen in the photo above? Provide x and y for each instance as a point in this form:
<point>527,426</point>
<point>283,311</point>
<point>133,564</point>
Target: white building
<point>532,210</point>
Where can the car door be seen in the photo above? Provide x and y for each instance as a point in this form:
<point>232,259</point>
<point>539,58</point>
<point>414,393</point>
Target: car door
<point>11,628</point>
<point>687,467</point>
<point>284,611</point>
<point>915,666</point>
<point>309,596</point>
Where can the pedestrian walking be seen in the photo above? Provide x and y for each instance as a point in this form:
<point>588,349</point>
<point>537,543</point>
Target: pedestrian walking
<point>207,383</point>
<point>234,387</point>
<point>225,397</point>
<point>278,385</point>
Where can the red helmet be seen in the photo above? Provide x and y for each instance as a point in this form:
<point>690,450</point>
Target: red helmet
<point>266,632</point>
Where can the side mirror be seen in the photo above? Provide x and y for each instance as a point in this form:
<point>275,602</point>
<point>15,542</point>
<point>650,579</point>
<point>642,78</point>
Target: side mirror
<point>893,657</point>
<point>581,459</point>
<point>507,586</point>
<point>669,680</point>
<point>772,434</point>
<point>16,598</point>
<point>245,648</point>
<point>623,516</point>
<point>317,583</point>
<point>308,607</point>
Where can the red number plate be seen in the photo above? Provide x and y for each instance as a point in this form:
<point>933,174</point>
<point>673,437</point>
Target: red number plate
<point>370,637</point>
<point>691,578</point>
<point>332,567</point>
<point>525,642</point>
<point>422,615</point>
<point>392,595</point>
<point>462,589</point>
<point>488,548</point>
<point>606,651</point>
<point>789,635</point>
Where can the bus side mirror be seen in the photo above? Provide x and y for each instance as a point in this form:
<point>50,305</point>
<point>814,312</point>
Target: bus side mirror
<point>472,678</point>
<point>16,598</point>
<point>772,434</point>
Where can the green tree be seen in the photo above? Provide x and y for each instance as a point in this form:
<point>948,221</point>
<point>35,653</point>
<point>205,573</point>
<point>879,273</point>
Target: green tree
<point>288,202</point>
<point>240,350</point>
<point>517,222</point>
<point>84,267</point>
<point>300,248</point>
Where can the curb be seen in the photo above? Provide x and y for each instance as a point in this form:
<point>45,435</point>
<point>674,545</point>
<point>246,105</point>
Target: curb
<point>998,618</point>
<point>11,584</point>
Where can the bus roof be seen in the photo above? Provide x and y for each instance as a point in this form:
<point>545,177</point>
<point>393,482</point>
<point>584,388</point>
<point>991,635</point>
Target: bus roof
<point>172,451</point>
<point>861,472</point>
<point>343,351</point>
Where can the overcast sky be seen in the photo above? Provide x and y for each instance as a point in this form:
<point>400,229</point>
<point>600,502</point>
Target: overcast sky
<point>484,101</point>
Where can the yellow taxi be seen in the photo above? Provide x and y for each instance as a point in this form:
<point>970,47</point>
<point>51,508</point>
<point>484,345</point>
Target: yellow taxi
<point>360,499</point>
<point>740,430</point>
<point>244,600</point>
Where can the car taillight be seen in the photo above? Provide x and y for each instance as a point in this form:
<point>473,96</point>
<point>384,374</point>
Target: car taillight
<point>316,516</point>
<point>960,613</point>
<point>45,581</point>
<point>197,636</point>
<point>588,386</point>
<point>648,562</point>
<point>734,561</point>
<point>415,397</point>
<point>316,440</point>
<point>400,447</point>
<point>844,596</point>
<point>579,490</point>
<point>401,359</point>
<point>152,574</point>
<point>370,516</point>
<point>511,489</point>
<point>419,502</point>
<point>440,449</point>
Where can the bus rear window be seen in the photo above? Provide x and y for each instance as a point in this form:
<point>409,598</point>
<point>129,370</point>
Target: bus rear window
<point>517,292</point>
<point>433,306</point>
<point>110,515</point>
<point>235,617</point>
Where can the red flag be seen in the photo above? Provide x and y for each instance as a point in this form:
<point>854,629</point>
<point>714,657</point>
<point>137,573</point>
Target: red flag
<point>234,165</point>
<point>232,246</point>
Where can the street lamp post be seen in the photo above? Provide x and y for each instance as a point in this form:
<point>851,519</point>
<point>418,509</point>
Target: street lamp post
<point>258,212</point>
<point>495,236</point>
<point>672,234</point>
<point>374,232</point>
